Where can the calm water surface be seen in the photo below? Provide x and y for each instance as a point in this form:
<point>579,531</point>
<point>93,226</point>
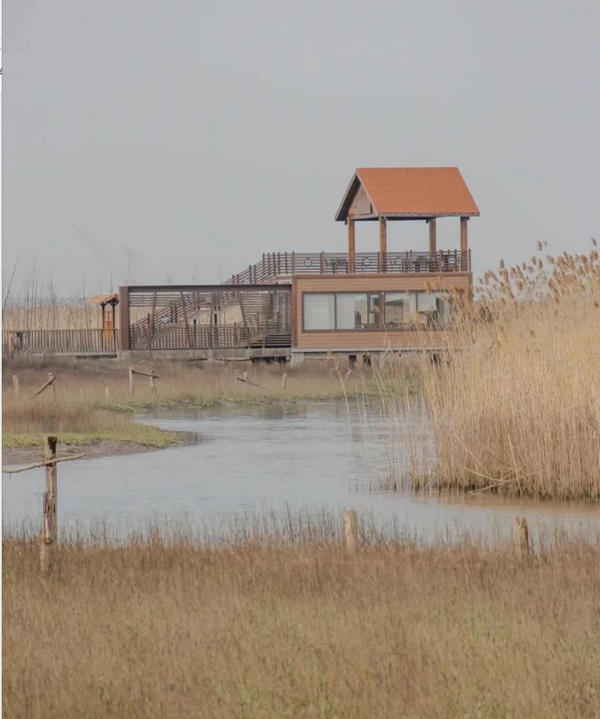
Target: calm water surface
<point>253,460</point>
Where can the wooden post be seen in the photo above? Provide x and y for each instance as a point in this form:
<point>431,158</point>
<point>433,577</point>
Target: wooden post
<point>124,319</point>
<point>351,246</point>
<point>464,244</point>
<point>521,538</point>
<point>15,381</point>
<point>51,379</point>
<point>107,393</point>
<point>152,385</point>
<point>50,523</point>
<point>284,381</point>
<point>432,237</point>
<point>245,376</point>
<point>382,244</point>
<point>131,388</point>
<point>351,530</point>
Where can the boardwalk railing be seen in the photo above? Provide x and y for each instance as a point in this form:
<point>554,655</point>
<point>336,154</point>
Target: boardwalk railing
<point>60,342</point>
<point>274,264</point>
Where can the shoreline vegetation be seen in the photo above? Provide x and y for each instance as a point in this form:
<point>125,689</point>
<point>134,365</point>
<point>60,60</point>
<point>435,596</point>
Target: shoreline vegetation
<point>513,405</point>
<point>93,409</point>
<point>263,624</point>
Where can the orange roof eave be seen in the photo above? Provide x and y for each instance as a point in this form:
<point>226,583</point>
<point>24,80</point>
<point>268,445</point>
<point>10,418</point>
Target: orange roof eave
<point>417,192</point>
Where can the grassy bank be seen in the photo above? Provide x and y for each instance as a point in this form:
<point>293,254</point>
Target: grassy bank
<point>93,402</point>
<point>514,406</point>
<point>301,628</point>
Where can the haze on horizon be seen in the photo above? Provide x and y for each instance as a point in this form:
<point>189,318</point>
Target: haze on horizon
<point>155,142</point>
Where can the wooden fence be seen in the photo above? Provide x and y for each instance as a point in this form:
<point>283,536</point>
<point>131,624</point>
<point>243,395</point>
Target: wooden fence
<point>75,342</point>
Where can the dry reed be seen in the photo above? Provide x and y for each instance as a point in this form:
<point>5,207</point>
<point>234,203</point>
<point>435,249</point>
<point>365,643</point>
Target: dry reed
<point>514,406</point>
<point>256,628</point>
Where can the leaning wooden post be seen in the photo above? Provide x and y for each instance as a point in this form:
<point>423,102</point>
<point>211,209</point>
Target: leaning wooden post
<point>521,538</point>
<point>131,381</point>
<point>51,379</point>
<point>284,381</point>
<point>351,530</point>
<point>15,381</point>
<point>50,524</point>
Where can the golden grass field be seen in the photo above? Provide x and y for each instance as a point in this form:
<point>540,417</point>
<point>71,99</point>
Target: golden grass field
<point>164,627</point>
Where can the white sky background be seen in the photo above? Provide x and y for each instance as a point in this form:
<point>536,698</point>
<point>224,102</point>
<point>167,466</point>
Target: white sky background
<point>199,135</point>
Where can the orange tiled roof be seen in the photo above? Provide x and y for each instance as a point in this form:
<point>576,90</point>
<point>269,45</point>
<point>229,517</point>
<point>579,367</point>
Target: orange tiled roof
<point>412,191</point>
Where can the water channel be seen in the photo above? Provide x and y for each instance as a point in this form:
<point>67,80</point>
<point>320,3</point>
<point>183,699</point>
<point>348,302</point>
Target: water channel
<point>250,461</point>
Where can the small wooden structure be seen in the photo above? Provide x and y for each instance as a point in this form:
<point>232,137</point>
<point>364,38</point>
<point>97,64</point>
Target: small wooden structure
<point>387,194</point>
<point>108,318</point>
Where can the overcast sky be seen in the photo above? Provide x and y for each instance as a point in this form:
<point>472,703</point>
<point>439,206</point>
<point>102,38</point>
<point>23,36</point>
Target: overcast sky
<point>198,135</point>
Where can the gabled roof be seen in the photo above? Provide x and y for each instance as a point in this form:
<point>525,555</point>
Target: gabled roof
<point>411,192</point>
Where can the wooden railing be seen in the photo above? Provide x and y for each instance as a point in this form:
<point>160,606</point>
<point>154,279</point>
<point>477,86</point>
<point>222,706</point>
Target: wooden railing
<point>60,342</point>
<point>274,264</point>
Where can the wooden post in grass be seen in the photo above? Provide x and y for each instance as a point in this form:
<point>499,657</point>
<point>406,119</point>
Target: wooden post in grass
<point>48,383</point>
<point>50,523</point>
<point>351,530</point>
<point>15,381</point>
<point>131,381</point>
<point>284,381</point>
<point>521,538</point>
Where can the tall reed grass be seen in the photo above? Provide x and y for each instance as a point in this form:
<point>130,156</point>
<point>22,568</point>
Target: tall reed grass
<point>515,403</point>
<point>293,625</point>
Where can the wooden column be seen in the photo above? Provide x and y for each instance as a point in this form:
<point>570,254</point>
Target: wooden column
<point>382,244</point>
<point>124,338</point>
<point>432,236</point>
<point>351,246</point>
<point>464,244</point>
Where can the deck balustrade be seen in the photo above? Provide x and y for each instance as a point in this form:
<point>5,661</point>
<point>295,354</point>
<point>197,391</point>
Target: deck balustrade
<point>274,264</point>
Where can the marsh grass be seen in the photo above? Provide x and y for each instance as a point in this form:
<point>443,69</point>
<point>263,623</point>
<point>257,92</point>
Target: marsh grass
<point>263,624</point>
<point>93,401</point>
<point>513,407</point>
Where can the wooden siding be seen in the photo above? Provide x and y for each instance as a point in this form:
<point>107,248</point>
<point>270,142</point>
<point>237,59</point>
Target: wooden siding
<point>361,204</point>
<point>370,339</point>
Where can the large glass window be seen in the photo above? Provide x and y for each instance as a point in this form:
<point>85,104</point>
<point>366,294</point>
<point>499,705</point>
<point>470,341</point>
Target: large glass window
<point>319,312</point>
<point>342,311</point>
<point>407,310</point>
<point>362,310</point>
<point>397,309</point>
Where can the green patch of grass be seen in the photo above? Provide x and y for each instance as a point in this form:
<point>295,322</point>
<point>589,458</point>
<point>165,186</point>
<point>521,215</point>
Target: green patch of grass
<point>141,434</point>
<point>216,400</point>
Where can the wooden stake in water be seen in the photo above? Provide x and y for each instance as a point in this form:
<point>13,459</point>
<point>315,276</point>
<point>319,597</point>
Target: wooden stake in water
<point>50,523</point>
<point>15,381</point>
<point>284,381</point>
<point>521,538</point>
<point>351,530</point>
